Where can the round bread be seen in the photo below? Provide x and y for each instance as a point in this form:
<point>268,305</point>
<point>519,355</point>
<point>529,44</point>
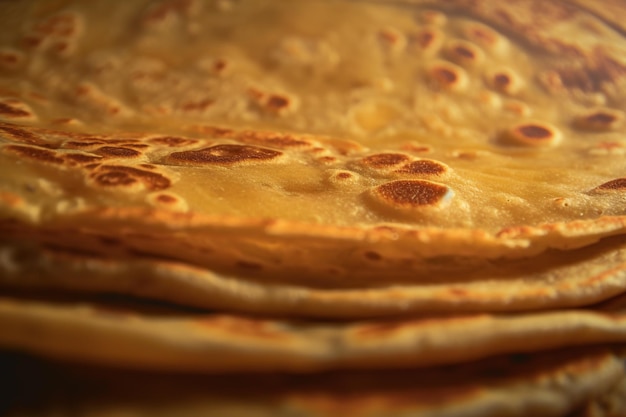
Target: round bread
<point>485,132</point>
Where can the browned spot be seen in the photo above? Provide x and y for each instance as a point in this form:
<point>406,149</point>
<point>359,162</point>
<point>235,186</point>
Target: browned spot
<point>448,76</point>
<point>412,193</point>
<point>224,155</point>
<point>373,256</point>
<point>424,38</point>
<point>165,198</point>
<point>148,166</point>
<point>22,135</point>
<point>482,35</point>
<point>343,176</point>
<point>37,154</point>
<point>12,111</point>
<point>602,118</point>
<point>79,158</point>
<point>501,81</point>
<point>599,120</point>
<point>277,103</point>
<point>114,178</point>
<point>219,65</point>
<point>618,184</point>
<point>465,52</point>
<point>445,75</point>
<point>115,175</point>
<point>533,134</point>
<point>427,40</point>
<point>327,159</point>
<point>423,167</point>
<point>117,152</point>
<point>173,141</point>
<point>384,160</point>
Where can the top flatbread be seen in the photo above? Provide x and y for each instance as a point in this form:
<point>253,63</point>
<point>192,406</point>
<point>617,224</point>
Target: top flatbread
<point>490,130</point>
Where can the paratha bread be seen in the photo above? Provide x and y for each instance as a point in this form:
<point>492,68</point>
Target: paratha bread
<point>552,280</point>
<point>546,384</point>
<point>405,129</point>
<point>123,337</point>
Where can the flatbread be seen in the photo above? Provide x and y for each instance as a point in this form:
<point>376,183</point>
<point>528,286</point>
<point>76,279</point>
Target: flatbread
<point>553,280</point>
<point>402,137</point>
<point>547,384</point>
<point>119,336</point>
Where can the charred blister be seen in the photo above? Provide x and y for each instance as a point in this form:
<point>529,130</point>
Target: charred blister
<point>600,120</point>
<point>505,81</point>
<point>168,201</point>
<point>227,154</point>
<point>533,134</point>
<point>384,161</point>
<point>427,40</point>
<point>118,152</point>
<point>81,159</point>
<point>21,134</point>
<point>464,53</point>
<point>448,76</point>
<point>35,154</point>
<point>423,167</point>
<point>412,194</point>
<point>342,178</point>
<point>273,103</point>
<point>129,179</point>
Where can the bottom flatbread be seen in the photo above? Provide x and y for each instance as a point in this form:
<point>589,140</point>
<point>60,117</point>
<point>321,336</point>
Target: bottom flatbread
<point>545,384</point>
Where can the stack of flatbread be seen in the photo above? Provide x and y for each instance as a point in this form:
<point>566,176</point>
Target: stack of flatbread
<point>313,208</point>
